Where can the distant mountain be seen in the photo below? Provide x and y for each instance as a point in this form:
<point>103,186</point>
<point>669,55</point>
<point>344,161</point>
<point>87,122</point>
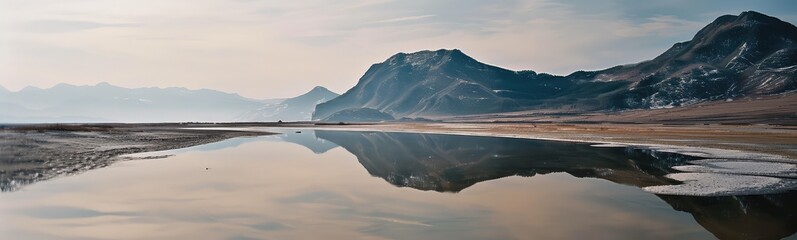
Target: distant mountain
<point>735,56</point>
<point>299,108</point>
<point>105,102</point>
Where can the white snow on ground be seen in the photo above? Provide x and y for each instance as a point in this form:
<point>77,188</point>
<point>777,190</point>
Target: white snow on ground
<point>720,184</point>
<point>730,177</point>
<point>715,152</point>
<point>745,167</point>
<point>739,173</point>
<point>501,90</point>
<point>609,145</point>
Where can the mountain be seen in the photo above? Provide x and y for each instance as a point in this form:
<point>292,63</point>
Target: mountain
<point>299,108</point>
<point>735,56</point>
<point>444,82</point>
<point>14,113</point>
<point>105,102</point>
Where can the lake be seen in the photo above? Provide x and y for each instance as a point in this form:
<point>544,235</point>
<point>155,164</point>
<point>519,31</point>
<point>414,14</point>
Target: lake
<point>375,185</point>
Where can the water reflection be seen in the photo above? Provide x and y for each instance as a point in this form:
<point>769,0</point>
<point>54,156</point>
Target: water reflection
<point>448,163</point>
<point>742,217</point>
<point>276,189</point>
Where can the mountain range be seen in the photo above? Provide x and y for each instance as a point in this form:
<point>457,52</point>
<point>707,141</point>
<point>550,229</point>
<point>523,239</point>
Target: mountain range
<point>107,103</point>
<point>748,55</point>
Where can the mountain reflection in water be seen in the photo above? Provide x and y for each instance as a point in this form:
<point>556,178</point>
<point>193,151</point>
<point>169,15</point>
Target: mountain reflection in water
<point>448,163</point>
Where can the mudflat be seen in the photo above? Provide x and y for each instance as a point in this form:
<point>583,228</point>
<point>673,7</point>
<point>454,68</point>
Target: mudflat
<point>31,153</point>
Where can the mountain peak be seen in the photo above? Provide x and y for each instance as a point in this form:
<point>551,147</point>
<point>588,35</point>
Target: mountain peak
<point>751,34</point>
<point>318,93</point>
<point>30,88</point>
<point>748,18</point>
<point>429,58</point>
<point>319,89</point>
<point>753,15</point>
<point>64,85</point>
<point>104,84</point>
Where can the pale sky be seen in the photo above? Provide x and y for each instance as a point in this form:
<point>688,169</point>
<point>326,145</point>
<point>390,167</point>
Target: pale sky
<point>269,49</point>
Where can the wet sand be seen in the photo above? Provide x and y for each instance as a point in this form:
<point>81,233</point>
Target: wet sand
<point>31,153</point>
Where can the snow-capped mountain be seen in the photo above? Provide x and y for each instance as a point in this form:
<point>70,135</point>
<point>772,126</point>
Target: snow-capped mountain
<point>299,108</point>
<point>735,56</point>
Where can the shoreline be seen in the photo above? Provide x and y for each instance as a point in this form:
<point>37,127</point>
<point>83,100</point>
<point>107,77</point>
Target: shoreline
<point>757,142</point>
<point>33,153</point>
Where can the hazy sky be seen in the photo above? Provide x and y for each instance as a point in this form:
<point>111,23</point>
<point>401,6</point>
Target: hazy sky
<point>271,48</point>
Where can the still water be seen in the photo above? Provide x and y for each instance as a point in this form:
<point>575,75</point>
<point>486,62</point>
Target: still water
<point>373,185</point>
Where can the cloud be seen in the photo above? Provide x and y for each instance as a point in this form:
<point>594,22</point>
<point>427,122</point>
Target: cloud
<point>62,26</point>
<point>404,19</point>
<point>660,26</point>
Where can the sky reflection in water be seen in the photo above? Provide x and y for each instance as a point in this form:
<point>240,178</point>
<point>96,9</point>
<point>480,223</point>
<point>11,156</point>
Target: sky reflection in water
<point>386,186</point>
